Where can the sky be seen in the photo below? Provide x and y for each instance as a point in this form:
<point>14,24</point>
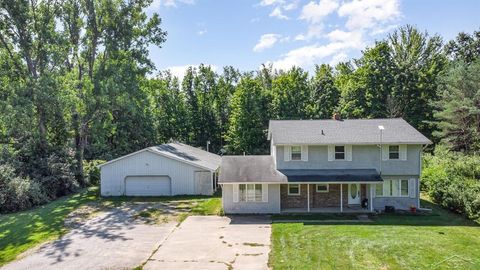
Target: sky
<point>246,34</point>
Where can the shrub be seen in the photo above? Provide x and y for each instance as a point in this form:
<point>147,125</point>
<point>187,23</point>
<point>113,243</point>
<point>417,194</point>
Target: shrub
<point>92,172</point>
<point>453,180</point>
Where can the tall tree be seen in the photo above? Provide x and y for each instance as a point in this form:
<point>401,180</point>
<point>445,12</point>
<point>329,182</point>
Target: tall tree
<point>458,108</point>
<point>246,132</point>
<point>324,94</point>
<point>290,94</point>
<point>464,47</point>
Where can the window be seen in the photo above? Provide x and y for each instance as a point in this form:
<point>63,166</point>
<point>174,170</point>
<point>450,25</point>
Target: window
<point>322,188</point>
<point>393,151</point>
<point>339,152</point>
<point>250,192</point>
<point>296,153</point>
<point>404,187</point>
<point>294,189</point>
<point>392,188</point>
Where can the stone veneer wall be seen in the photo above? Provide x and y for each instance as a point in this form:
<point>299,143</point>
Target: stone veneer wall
<point>317,199</point>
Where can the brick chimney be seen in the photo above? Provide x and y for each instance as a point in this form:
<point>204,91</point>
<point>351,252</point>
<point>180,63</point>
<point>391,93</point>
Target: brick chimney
<point>336,116</point>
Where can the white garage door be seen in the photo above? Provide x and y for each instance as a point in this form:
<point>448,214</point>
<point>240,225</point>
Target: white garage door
<point>147,186</point>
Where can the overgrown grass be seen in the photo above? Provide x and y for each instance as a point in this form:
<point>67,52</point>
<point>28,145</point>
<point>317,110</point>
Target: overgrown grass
<point>23,230</point>
<point>441,240</point>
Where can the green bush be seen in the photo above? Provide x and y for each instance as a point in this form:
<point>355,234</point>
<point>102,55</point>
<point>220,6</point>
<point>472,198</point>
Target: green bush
<point>453,180</point>
<point>17,193</point>
<point>92,172</point>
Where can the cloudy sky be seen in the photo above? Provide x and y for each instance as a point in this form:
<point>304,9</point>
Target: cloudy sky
<point>246,33</point>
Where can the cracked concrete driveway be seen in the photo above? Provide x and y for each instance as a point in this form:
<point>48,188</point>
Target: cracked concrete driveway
<point>213,242</point>
<point>111,240</point>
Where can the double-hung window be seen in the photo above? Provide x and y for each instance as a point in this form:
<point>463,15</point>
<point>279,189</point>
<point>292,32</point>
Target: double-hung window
<point>321,188</point>
<point>296,153</point>
<point>393,152</point>
<point>339,152</point>
<point>294,189</point>
<point>250,192</point>
<point>392,188</point>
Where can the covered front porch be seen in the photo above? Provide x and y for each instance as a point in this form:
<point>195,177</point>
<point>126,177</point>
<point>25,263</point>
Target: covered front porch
<point>328,191</point>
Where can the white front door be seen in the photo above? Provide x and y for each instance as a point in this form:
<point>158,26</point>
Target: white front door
<point>354,194</point>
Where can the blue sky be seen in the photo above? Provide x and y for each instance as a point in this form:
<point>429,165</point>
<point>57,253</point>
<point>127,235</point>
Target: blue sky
<point>246,33</point>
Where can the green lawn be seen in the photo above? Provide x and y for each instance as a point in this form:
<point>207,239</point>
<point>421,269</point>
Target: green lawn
<point>441,240</point>
<point>23,230</point>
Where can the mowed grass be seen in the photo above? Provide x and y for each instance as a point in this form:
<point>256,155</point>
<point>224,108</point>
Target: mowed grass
<point>441,240</point>
<point>23,230</point>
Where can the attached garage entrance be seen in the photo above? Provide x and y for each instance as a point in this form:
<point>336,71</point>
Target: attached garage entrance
<point>148,186</point>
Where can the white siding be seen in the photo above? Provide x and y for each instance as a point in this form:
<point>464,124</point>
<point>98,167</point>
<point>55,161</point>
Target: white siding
<point>146,163</point>
<point>233,206</point>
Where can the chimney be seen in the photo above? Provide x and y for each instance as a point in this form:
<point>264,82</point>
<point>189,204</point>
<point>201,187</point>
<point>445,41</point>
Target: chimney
<point>336,116</point>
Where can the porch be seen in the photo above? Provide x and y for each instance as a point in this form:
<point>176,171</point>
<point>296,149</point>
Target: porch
<point>326,197</point>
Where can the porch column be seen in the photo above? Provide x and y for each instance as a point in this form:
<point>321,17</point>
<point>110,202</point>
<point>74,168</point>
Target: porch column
<point>370,200</point>
<point>308,197</point>
<point>341,197</point>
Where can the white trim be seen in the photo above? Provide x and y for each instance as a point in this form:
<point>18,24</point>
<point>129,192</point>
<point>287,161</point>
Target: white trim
<point>264,192</point>
<point>235,193</point>
<point>308,198</point>
<point>354,143</point>
<point>322,191</point>
<point>331,152</point>
<point>402,152</point>
<point>304,152</point>
<point>348,152</point>
<point>341,197</point>
<point>294,194</point>
<point>287,150</point>
<point>160,154</point>
<point>399,191</point>
<point>370,200</point>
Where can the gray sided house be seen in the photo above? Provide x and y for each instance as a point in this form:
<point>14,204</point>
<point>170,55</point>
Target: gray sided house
<point>163,170</point>
<point>327,166</point>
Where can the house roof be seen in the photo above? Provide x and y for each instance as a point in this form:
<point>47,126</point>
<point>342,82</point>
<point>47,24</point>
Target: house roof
<point>181,152</point>
<point>332,175</point>
<point>348,131</point>
<point>244,169</point>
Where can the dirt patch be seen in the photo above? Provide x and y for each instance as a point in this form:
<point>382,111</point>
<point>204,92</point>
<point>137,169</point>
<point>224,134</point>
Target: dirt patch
<point>80,215</point>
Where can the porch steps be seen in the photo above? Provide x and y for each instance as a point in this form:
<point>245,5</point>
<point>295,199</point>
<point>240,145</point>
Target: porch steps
<point>360,219</point>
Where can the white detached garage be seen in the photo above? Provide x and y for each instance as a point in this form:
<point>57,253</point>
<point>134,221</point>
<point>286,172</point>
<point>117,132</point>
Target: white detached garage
<point>164,170</point>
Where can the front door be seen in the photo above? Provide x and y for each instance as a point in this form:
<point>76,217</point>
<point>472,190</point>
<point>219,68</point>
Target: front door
<point>354,194</point>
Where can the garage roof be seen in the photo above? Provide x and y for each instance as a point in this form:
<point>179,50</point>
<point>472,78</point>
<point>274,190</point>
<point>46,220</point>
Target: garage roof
<point>181,152</point>
<point>244,169</point>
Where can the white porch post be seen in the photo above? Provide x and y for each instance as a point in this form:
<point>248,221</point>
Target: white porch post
<point>341,197</point>
<point>370,201</point>
<point>308,197</point>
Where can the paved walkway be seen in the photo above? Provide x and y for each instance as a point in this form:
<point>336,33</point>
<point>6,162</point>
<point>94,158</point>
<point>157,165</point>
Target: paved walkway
<point>212,242</point>
<point>111,240</point>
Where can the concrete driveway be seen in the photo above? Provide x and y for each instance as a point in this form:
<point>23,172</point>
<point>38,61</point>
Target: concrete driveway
<point>212,242</point>
<point>111,240</point>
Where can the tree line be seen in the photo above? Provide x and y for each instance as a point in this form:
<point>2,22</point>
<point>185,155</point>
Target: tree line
<point>75,87</point>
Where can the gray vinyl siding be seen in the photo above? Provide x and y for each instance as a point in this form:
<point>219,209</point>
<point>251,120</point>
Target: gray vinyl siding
<point>146,163</point>
<point>402,203</point>
<point>363,157</point>
<point>270,207</point>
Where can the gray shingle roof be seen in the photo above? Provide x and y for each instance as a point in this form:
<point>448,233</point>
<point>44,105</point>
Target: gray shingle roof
<point>348,131</point>
<point>189,154</point>
<point>244,169</point>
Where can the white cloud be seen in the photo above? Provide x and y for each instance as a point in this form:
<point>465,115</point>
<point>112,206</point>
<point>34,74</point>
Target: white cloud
<point>383,30</point>
<point>353,38</point>
<point>271,2</point>
<point>316,12</point>
<point>266,41</point>
<point>363,14</point>
<point>156,4</point>
<point>277,13</point>
<point>337,58</point>
<point>314,31</point>
<point>201,32</point>
<point>307,56</point>
<point>179,71</point>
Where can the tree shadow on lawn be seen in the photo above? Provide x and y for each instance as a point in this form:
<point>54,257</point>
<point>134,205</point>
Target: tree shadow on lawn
<point>438,217</point>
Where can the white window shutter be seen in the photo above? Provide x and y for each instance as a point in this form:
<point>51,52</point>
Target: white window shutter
<point>348,152</point>
<point>235,193</point>
<point>384,152</point>
<point>304,152</point>
<point>374,191</point>
<point>264,192</point>
<point>411,188</point>
<point>287,150</point>
<point>331,153</point>
<point>403,151</point>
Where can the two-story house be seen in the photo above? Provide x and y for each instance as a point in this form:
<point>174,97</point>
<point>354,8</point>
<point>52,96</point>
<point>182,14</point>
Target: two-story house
<point>327,166</point>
